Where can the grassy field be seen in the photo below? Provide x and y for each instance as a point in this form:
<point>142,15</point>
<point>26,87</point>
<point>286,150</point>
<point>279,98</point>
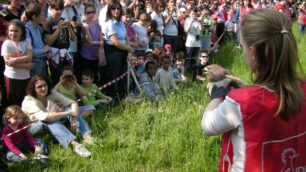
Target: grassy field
<point>161,136</point>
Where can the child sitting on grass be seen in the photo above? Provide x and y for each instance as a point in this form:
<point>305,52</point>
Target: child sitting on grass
<point>164,75</point>
<point>17,144</point>
<point>147,83</point>
<point>95,97</point>
<point>198,70</point>
<point>70,88</point>
<point>179,68</point>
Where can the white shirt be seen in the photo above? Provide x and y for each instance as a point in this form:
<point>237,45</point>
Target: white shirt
<point>102,15</point>
<point>191,35</point>
<point>159,20</point>
<point>112,27</point>
<point>142,34</point>
<point>227,117</point>
<point>37,111</point>
<point>16,49</point>
<point>165,79</point>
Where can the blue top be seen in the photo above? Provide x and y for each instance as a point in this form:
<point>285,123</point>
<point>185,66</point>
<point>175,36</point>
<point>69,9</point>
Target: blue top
<point>114,27</point>
<point>36,39</point>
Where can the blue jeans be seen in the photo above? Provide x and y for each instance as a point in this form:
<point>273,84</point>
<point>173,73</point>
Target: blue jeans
<point>192,57</point>
<point>302,28</point>
<point>40,66</point>
<point>83,125</point>
<point>23,147</point>
<point>205,42</point>
<point>60,131</point>
<point>238,34</point>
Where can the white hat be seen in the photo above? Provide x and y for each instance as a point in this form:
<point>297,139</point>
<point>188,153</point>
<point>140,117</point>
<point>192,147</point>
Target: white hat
<point>148,51</point>
<point>182,9</point>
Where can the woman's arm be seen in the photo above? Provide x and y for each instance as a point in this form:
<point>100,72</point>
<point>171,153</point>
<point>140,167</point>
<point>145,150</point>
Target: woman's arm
<point>72,36</point>
<point>188,25</point>
<point>169,17</point>
<point>80,91</point>
<point>60,82</point>
<point>117,44</point>
<point>220,116</point>
<point>135,42</point>
<point>54,116</point>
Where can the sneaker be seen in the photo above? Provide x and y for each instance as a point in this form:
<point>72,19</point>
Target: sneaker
<point>88,139</point>
<point>41,158</point>
<point>81,150</point>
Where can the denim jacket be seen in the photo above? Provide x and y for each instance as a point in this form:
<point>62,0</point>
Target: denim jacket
<point>150,87</point>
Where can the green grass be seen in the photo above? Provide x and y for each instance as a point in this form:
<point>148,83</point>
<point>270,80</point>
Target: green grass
<point>160,136</point>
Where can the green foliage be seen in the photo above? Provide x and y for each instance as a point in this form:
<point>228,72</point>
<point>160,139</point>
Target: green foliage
<point>160,136</point>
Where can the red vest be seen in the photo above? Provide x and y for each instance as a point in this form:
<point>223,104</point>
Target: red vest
<point>272,144</point>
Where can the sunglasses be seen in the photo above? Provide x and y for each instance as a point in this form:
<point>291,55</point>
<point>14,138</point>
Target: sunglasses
<point>90,12</point>
<point>204,56</point>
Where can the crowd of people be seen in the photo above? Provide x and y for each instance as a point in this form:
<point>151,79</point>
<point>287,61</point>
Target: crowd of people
<point>63,50</point>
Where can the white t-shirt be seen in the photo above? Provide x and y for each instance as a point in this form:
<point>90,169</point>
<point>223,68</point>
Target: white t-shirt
<point>102,15</point>
<point>142,34</point>
<point>159,20</point>
<point>16,49</point>
<point>225,118</point>
<point>191,35</point>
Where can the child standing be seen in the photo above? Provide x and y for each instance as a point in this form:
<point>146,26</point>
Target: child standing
<point>34,33</point>
<point>19,143</point>
<point>164,75</point>
<point>58,33</point>
<point>142,33</point>
<point>17,54</point>
<point>96,98</point>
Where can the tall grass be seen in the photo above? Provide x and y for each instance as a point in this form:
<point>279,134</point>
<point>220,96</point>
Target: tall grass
<point>160,136</point>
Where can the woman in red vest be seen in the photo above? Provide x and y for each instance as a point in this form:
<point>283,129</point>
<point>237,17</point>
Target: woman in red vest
<point>263,125</point>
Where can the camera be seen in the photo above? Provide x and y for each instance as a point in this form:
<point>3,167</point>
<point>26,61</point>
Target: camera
<point>174,10</point>
<point>197,37</point>
<point>74,18</point>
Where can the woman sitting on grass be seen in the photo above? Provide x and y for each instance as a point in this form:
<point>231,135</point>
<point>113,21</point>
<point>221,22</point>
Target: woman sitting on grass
<point>263,124</point>
<point>51,109</point>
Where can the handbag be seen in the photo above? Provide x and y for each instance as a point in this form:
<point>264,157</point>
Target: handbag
<point>102,60</point>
